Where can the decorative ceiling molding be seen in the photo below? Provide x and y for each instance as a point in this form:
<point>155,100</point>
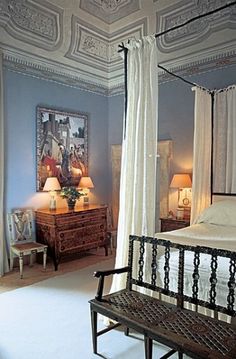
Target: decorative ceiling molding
<point>197,31</point>
<point>92,62</point>
<point>37,23</point>
<point>91,45</point>
<point>52,71</point>
<point>110,10</point>
<point>195,67</point>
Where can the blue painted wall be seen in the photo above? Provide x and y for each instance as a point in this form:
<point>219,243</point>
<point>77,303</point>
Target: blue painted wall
<point>176,111</point>
<point>22,95</point>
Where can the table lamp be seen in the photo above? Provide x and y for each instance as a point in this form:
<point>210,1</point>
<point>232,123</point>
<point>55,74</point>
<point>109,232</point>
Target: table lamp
<point>183,182</point>
<point>85,184</point>
<point>52,185</point>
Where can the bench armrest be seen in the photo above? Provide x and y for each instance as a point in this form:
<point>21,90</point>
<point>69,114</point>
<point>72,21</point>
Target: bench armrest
<point>102,274</point>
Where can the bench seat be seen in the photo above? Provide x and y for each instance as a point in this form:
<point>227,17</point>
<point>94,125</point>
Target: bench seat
<point>184,331</point>
<point>181,329</point>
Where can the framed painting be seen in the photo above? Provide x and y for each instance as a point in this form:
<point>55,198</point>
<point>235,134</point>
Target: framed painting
<point>62,146</point>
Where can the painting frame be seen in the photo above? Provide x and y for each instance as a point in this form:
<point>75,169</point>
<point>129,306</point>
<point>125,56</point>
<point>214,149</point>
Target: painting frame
<point>62,146</point>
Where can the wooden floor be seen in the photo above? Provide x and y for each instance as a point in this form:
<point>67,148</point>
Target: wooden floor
<point>36,273</point>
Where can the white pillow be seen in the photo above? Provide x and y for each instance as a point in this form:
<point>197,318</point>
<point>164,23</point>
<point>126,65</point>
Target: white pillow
<point>221,212</point>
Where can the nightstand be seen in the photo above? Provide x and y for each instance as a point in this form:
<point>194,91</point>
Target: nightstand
<point>169,224</point>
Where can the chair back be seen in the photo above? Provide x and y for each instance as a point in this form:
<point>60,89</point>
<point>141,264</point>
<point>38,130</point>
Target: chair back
<point>20,223</point>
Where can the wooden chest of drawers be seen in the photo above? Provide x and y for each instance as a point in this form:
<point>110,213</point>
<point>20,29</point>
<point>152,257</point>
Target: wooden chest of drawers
<point>71,232</point>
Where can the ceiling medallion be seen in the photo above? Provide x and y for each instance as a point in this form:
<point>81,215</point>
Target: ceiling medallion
<point>110,5</point>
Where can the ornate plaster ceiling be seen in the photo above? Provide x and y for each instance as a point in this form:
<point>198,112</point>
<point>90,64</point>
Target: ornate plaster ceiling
<point>76,41</point>
<point>110,10</point>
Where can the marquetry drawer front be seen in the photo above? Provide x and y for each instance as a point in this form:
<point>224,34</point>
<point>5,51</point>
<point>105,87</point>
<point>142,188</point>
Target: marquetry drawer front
<point>80,219</point>
<point>95,228</point>
<point>69,243</point>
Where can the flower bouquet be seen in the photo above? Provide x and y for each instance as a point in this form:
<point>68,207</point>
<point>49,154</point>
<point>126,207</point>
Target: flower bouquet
<point>71,194</point>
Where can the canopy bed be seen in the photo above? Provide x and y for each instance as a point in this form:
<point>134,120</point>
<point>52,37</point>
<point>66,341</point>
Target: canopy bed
<point>137,211</point>
<point>213,224</point>
<point>215,228</point>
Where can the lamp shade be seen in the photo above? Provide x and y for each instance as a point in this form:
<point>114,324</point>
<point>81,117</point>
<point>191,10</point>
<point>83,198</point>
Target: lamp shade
<point>52,184</point>
<point>181,180</point>
<point>86,182</point>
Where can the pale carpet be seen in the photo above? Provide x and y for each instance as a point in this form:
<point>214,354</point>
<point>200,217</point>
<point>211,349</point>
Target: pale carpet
<point>51,319</point>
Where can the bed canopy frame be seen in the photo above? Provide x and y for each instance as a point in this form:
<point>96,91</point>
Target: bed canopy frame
<point>123,48</point>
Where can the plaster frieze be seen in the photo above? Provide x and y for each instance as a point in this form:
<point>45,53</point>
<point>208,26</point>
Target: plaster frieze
<point>36,23</point>
<point>110,10</point>
<point>50,71</point>
<point>68,76</point>
<point>197,31</point>
<point>198,63</point>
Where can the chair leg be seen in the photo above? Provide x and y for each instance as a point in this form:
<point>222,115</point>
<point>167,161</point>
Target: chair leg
<point>44,258</point>
<point>21,264</point>
<point>148,347</point>
<point>180,355</point>
<point>126,331</point>
<point>94,316</point>
<point>31,258</point>
<point>11,260</point>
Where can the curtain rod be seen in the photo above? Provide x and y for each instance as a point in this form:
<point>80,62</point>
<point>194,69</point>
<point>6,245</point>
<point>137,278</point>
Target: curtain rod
<point>125,49</point>
<point>195,18</point>
<point>183,79</point>
<point>122,46</point>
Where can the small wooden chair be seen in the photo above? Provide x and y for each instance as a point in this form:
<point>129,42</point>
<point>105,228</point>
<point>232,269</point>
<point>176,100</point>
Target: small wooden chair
<point>22,239</point>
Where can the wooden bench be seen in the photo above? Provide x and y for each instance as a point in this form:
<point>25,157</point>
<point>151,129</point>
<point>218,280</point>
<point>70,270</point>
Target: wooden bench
<point>184,331</point>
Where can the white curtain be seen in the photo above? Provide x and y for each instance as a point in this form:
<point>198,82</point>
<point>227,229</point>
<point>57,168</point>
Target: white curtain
<point>3,254</point>
<point>225,141</point>
<point>201,183</point>
<point>139,149</point>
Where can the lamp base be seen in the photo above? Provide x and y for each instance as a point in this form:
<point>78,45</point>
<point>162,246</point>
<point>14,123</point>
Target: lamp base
<point>180,213</point>
<point>52,205</point>
<point>86,201</point>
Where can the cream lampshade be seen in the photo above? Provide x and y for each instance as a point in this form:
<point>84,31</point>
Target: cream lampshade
<point>182,180</point>
<point>85,184</point>
<point>52,185</point>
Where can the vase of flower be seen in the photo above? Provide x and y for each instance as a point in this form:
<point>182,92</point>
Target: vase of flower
<point>71,194</point>
<point>71,204</point>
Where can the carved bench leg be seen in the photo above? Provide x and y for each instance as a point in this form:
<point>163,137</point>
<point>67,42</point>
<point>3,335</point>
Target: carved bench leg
<point>94,329</point>
<point>148,347</point>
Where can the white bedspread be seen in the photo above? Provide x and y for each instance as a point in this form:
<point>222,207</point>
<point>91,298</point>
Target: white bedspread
<point>203,234</point>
